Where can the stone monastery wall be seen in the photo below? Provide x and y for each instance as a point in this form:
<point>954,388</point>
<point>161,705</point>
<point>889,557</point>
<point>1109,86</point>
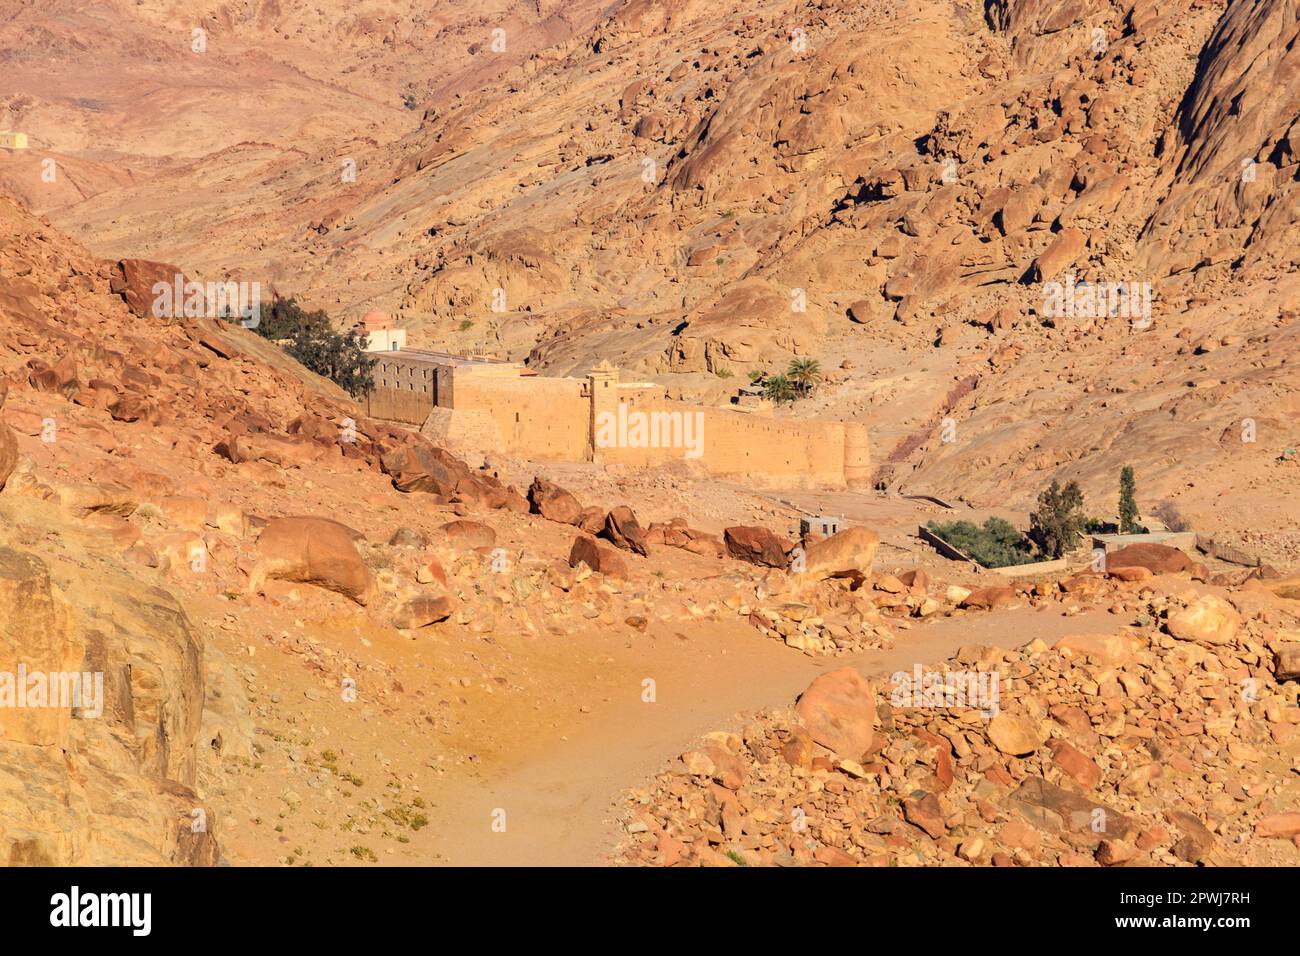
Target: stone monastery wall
<point>499,408</point>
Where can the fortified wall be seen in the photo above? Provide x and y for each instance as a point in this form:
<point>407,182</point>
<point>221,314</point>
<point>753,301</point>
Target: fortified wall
<point>488,406</point>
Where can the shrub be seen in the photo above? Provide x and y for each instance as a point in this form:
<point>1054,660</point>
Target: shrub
<point>780,389</point>
<point>1167,511</point>
<point>995,545</point>
<point>1059,521</point>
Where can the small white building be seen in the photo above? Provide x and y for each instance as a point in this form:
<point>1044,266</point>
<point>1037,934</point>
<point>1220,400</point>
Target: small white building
<point>822,525</point>
<point>377,327</point>
<point>12,140</point>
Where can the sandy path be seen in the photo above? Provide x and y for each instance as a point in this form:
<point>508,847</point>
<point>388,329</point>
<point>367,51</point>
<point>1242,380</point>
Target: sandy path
<point>559,799</point>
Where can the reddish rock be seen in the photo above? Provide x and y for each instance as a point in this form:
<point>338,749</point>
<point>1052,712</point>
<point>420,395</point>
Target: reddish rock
<point>757,546</point>
<point>1279,826</point>
<point>1075,764</point>
<point>923,811</point>
<point>991,597</point>
<point>624,531</point>
<point>1286,659</point>
<point>8,444</point>
<point>1156,558</point>
<point>1061,253</point>
<point>598,556</point>
<point>134,279</point>
<point>839,711</point>
<point>316,551</point>
<point>469,535</point>
<point>592,520</point>
<point>421,611</point>
<point>552,502</point>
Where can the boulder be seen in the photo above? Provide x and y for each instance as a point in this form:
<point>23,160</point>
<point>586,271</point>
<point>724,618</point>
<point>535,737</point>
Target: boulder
<point>1210,620</point>
<point>468,535</point>
<point>677,534</point>
<point>1075,764</point>
<point>757,546</point>
<point>134,279</point>
<point>1156,558</point>
<point>312,550</point>
<point>592,520</point>
<point>598,556</point>
<point>1015,735</point>
<point>1062,253</point>
<point>552,502</point>
<point>990,597</point>
<point>421,611</point>
<point>1286,662</point>
<point>846,554</point>
<point>624,531</point>
<point>838,709</point>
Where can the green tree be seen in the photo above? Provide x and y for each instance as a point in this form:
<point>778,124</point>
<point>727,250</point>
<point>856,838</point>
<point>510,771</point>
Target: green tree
<point>310,337</point>
<point>780,389</point>
<point>1128,509</point>
<point>805,373</point>
<point>1057,524</point>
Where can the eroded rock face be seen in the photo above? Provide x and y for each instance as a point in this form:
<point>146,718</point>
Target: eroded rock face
<point>111,780</point>
<point>313,550</point>
<point>8,443</point>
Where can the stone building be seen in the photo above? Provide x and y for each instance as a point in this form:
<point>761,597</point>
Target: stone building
<point>488,406</point>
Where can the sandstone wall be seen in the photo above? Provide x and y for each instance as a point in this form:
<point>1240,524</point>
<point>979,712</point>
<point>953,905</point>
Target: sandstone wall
<point>759,448</point>
<point>493,408</point>
<point>535,417</point>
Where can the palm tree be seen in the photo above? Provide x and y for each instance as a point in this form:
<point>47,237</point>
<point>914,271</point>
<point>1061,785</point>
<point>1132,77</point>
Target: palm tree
<point>805,373</point>
<point>780,389</point>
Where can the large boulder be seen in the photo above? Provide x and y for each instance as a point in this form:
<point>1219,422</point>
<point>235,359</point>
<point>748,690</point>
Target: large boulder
<point>598,556</point>
<point>839,711</point>
<point>312,550</point>
<point>847,554</point>
<point>1156,558</point>
<point>1286,662</point>
<point>552,502</point>
<point>757,546</point>
<point>624,531</point>
<point>1210,620</point>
